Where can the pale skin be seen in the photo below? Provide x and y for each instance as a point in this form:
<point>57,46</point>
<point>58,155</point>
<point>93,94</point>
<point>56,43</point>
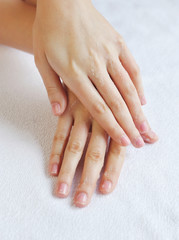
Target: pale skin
<point>71,39</point>
<point>17,18</point>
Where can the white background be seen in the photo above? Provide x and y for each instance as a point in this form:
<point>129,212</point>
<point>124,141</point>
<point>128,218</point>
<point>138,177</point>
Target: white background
<point>145,203</point>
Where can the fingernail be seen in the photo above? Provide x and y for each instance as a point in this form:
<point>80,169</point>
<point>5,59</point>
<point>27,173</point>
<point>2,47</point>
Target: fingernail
<point>81,198</point>
<point>144,127</point>
<point>54,168</point>
<point>139,142</point>
<point>153,134</point>
<point>150,137</point>
<point>147,139</point>
<point>125,140</point>
<point>143,100</point>
<point>63,188</point>
<point>56,108</point>
<point>106,186</point>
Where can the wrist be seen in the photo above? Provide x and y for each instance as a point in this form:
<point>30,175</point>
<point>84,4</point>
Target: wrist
<point>63,8</point>
<point>63,3</point>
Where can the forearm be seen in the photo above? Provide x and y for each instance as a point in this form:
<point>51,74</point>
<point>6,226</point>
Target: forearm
<point>32,2</point>
<point>16,22</point>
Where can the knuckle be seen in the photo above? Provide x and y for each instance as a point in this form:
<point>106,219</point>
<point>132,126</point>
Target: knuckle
<point>94,62</point>
<point>116,150</point>
<point>54,156</point>
<point>95,156</point>
<point>101,83</point>
<point>99,108</point>
<point>130,90</point>
<point>74,69</point>
<point>59,138</point>
<point>120,41</point>
<point>116,105</point>
<point>74,147</point>
<point>51,90</point>
<point>108,49</point>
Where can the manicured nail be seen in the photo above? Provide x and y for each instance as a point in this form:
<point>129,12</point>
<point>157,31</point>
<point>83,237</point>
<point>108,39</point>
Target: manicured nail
<point>81,198</point>
<point>139,142</point>
<point>125,140</point>
<point>150,137</point>
<point>56,108</point>
<point>143,100</point>
<point>153,135</point>
<point>144,127</point>
<point>63,188</point>
<point>54,168</point>
<point>106,186</point>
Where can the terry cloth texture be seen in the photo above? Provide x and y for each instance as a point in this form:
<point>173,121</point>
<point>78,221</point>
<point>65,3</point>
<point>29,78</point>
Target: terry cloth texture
<point>145,203</point>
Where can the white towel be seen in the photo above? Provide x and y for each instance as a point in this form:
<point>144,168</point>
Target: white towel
<point>145,203</point>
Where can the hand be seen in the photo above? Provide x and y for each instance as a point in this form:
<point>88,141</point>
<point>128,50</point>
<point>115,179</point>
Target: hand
<point>69,146</point>
<point>73,41</point>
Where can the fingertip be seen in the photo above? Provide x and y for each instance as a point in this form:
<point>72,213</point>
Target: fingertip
<point>61,190</point>
<point>56,109</point>
<point>59,108</point>
<point>53,169</point>
<point>106,187</point>
<point>138,142</point>
<point>81,200</point>
<point>58,101</point>
<point>143,100</point>
<point>150,137</point>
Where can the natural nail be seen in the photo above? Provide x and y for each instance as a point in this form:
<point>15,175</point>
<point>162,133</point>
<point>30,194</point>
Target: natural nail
<point>56,108</point>
<point>150,137</point>
<point>143,100</point>
<point>153,135</point>
<point>54,168</point>
<point>81,198</point>
<point>139,142</point>
<point>106,185</point>
<point>63,188</point>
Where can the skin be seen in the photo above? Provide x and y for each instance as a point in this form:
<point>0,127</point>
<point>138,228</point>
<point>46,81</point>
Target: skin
<point>73,125</point>
<point>94,63</point>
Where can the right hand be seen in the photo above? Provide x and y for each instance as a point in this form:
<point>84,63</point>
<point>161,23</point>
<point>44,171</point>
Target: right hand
<point>72,40</point>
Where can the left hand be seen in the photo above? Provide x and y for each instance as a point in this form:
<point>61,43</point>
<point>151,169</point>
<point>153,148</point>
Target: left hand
<point>68,147</point>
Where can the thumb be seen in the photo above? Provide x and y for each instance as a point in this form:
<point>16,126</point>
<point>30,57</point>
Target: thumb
<point>55,90</point>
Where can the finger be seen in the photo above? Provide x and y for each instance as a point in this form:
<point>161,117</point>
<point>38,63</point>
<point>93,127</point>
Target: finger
<point>129,94</point>
<point>150,137</point>
<point>59,143</point>
<point>133,70</point>
<point>55,90</point>
<point>118,107</point>
<point>72,156</point>
<point>112,169</point>
<point>94,160</point>
<point>91,99</point>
